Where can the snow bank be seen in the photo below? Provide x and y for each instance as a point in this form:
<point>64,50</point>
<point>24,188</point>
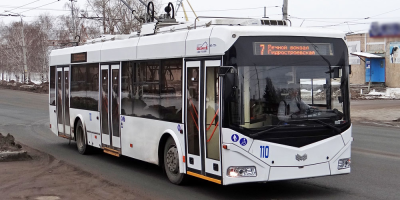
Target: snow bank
<point>393,93</point>
<point>390,93</point>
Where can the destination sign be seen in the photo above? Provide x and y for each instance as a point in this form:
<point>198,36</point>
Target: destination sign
<point>79,57</point>
<point>292,49</point>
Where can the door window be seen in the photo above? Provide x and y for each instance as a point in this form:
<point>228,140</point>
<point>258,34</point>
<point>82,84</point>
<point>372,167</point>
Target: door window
<point>212,112</point>
<point>193,110</point>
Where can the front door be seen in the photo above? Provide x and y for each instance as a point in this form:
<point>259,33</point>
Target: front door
<point>202,119</point>
<point>110,109</point>
<point>63,120</point>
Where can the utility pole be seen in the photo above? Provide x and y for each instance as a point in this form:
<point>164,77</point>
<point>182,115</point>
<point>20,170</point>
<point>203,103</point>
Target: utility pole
<point>285,9</point>
<point>23,44</point>
<point>24,52</point>
<point>73,18</point>
<point>265,12</point>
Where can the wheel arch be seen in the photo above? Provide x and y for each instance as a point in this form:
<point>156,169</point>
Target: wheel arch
<point>77,119</point>
<point>163,139</point>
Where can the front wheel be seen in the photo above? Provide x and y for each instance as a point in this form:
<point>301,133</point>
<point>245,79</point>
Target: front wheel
<point>171,163</point>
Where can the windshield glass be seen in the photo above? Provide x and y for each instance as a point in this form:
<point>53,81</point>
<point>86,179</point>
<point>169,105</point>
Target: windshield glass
<point>266,96</point>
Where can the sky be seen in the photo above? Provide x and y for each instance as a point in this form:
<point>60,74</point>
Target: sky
<point>345,15</point>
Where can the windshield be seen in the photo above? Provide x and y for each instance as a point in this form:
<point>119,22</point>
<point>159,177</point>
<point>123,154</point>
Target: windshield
<point>290,90</point>
<point>265,96</point>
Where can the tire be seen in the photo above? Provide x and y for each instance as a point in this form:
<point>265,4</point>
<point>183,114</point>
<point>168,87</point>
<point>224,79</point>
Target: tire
<point>171,163</point>
<point>81,143</point>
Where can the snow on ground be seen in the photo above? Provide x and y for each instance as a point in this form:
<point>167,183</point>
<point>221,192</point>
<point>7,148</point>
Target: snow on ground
<point>35,77</point>
<point>318,82</point>
<point>390,93</point>
<point>393,93</point>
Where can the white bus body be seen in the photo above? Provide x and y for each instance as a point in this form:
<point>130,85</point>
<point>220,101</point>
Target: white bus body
<point>199,50</point>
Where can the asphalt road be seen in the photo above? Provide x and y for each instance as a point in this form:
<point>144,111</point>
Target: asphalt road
<point>375,162</point>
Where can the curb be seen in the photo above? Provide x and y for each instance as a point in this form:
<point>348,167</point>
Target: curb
<point>14,156</point>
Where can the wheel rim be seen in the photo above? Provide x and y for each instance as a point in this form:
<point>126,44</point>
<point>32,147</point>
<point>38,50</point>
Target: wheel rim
<point>80,138</point>
<point>172,160</point>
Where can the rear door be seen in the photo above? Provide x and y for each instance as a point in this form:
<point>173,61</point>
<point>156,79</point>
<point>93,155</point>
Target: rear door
<point>63,119</point>
<point>110,107</point>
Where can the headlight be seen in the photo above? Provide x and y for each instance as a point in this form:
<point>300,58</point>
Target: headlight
<point>242,172</point>
<point>344,163</point>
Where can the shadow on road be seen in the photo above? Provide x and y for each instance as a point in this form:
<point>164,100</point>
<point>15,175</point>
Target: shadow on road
<point>282,189</point>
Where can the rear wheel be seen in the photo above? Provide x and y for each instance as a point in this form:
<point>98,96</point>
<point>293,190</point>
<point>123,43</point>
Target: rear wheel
<point>81,139</point>
<point>171,162</point>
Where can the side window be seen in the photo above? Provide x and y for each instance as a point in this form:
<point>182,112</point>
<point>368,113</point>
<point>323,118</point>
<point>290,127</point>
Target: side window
<point>146,89</point>
<point>52,85</point>
<point>171,90</point>
<point>92,87</point>
<point>127,89</point>
<point>151,90</point>
<point>85,86</point>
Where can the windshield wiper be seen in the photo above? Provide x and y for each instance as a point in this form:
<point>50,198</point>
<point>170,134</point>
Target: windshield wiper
<point>327,125</point>
<point>266,131</point>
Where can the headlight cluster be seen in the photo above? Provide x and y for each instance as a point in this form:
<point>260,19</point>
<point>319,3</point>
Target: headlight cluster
<point>344,163</point>
<point>242,172</point>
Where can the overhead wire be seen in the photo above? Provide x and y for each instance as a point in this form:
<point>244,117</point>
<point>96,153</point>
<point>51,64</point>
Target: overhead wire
<point>222,10</point>
<point>40,6</point>
<point>350,21</point>
<point>23,5</point>
<point>35,7</point>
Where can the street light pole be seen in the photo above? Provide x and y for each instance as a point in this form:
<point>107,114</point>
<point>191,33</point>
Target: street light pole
<point>24,52</point>
<point>23,45</point>
<point>73,17</point>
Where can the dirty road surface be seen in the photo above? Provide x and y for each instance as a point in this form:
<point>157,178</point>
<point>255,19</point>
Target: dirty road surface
<point>375,160</point>
<point>378,112</point>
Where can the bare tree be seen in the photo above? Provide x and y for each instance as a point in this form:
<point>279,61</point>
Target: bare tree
<point>47,32</point>
<point>115,17</point>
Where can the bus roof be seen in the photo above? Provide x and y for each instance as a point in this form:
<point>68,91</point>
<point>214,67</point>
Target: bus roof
<point>172,43</point>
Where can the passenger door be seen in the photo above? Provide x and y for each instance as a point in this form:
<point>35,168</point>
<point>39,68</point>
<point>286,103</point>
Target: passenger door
<point>63,119</point>
<point>110,107</point>
<point>202,130</point>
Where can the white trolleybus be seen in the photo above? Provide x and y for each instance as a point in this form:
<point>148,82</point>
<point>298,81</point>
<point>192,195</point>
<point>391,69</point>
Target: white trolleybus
<point>228,100</point>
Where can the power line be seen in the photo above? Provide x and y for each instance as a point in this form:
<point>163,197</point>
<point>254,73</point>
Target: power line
<point>40,6</point>
<point>356,19</point>
<point>235,9</point>
<point>27,8</point>
<point>36,7</point>
<point>24,5</point>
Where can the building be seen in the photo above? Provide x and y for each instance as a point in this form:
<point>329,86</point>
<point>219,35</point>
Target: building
<point>380,60</point>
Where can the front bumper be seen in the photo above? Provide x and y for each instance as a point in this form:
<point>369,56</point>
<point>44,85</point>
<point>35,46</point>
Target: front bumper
<point>280,162</point>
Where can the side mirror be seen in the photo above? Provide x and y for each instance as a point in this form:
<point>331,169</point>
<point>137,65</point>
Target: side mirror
<point>223,70</point>
<point>336,72</point>
<point>340,98</point>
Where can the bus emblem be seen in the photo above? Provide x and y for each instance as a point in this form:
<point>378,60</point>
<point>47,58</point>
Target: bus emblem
<point>301,158</point>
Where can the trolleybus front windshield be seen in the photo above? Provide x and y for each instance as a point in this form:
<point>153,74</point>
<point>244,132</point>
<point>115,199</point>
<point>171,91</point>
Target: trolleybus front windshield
<point>267,96</point>
<point>260,95</point>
